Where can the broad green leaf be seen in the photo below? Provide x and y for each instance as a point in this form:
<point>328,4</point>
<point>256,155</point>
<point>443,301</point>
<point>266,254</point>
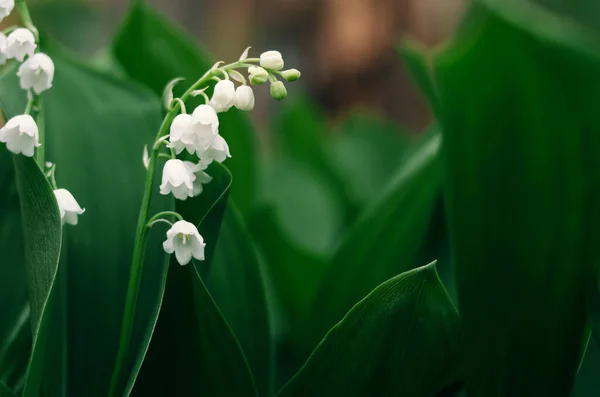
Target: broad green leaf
<point>420,65</point>
<point>13,280</point>
<point>306,207</point>
<point>366,151</point>
<point>42,234</point>
<point>96,128</point>
<point>5,391</point>
<point>403,339</point>
<point>16,350</point>
<point>301,134</point>
<point>153,51</point>
<point>519,90</point>
<point>42,241</point>
<point>384,241</point>
<point>235,281</point>
<point>193,350</point>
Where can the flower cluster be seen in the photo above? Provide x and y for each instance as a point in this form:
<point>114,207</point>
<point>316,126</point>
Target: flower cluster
<point>36,73</point>
<point>198,135</point>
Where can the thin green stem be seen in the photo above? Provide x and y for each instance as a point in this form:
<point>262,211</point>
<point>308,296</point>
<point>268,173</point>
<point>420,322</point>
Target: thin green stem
<point>165,213</point>
<point>141,235</point>
<point>40,155</point>
<point>26,17</point>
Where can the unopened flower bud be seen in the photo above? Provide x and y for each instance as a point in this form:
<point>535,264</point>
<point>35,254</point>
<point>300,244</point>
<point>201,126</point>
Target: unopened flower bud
<point>271,60</point>
<point>244,98</point>
<point>278,90</point>
<point>291,74</point>
<point>222,99</point>
<point>257,75</point>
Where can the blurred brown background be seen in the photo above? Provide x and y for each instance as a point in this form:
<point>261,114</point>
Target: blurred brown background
<point>344,48</point>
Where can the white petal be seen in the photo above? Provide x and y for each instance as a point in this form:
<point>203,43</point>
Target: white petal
<point>271,60</point>
<point>179,126</point>
<point>197,248</point>
<point>168,246</point>
<point>205,114</point>
<point>183,255</point>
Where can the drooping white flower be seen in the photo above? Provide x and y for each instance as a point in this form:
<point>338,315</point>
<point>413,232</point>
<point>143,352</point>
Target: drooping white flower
<point>257,75</point>
<point>19,43</point>
<point>217,151</point>
<point>223,95</point>
<point>201,177</point>
<point>6,7</point>
<point>3,44</point>
<point>21,135</point>
<point>244,98</point>
<point>185,241</point>
<point>37,73</point>
<point>206,126</point>
<point>271,60</point>
<point>178,179</point>
<point>182,134</point>
<point>68,206</point>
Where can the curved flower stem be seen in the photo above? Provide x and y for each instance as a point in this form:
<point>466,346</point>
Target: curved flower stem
<point>165,213</point>
<point>141,235</point>
<point>40,155</point>
<point>26,17</point>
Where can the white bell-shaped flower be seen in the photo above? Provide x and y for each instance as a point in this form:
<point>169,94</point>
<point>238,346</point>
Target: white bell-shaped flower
<point>271,60</point>
<point>201,177</point>
<point>182,134</point>
<point>37,73</point>
<point>20,43</point>
<point>21,135</point>
<point>68,206</point>
<point>217,151</point>
<point>206,127</point>
<point>223,96</point>
<point>178,179</point>
<point>3,45</point>
<point>244,98</point>
<point>6,7</point>
<point>185,241</point>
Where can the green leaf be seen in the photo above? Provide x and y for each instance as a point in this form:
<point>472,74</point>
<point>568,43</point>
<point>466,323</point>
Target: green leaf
<point>520,90</point>
<point>153,51</point>
<point>42,240</point>
<point>13,279</point>
<point>401,339</point>
<point>5,391</point>
<point>192,336</point>
<point>420,65</point>
<point>235,282</point>
<point>384,241</point>
<point>366,151</point>
<point>96,128</point>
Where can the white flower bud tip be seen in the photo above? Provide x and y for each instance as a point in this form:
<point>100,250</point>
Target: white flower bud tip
<point>68,206</point>
<point>244,98</point>
<point>185,241</point>
<point>222,99</point>
<point>37,73</point>
<point>278,90</point>
<point>146,157</point>
<point>291,74</point>
<point>271,60</point>
<point>21,135</point>
<point>6,7</point>
<point>20,43</point>
<point>257,75</point>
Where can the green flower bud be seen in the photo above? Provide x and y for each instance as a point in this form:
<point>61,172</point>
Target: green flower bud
<point>291,74</point>
<point>278,90</point>
<point>257,75</point>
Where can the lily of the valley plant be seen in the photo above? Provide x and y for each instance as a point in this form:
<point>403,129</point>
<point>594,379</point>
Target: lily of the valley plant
<point>196,132</point>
